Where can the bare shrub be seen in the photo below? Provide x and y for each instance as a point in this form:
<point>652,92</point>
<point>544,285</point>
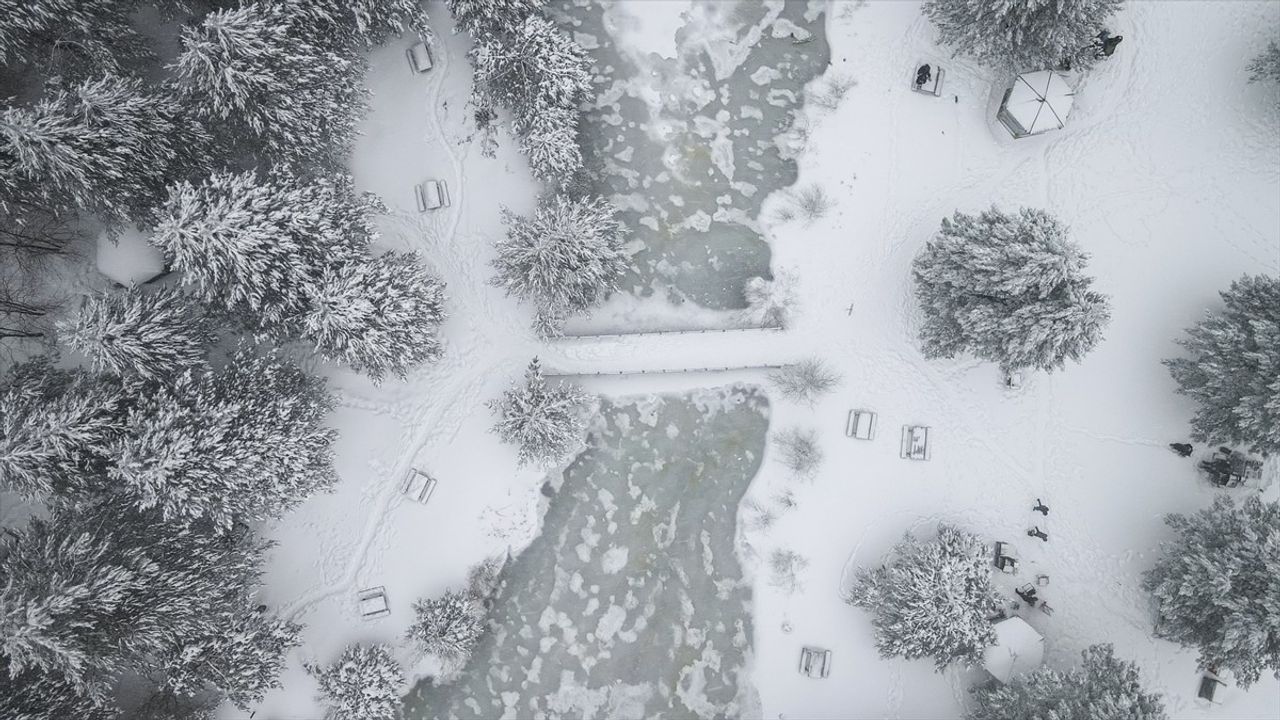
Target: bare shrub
<point>805,381</point>
<point>828,92</point>
<point>771,303</point>
<point>785,567</point>
<point>812,203</point>
<point>800,452</point>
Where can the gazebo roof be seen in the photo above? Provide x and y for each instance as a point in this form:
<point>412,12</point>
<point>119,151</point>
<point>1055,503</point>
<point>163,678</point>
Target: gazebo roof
<point>1040,101</point>
<point>1019,649</point>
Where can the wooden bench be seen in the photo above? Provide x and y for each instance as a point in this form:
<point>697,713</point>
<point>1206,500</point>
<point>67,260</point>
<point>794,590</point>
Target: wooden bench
<point>419,57</point>
<point>418,485</point>
<point>432,195</point>
<point>915,442</point>
<point>815,662</point>
<point>373,603</point>
<point>861,425</point>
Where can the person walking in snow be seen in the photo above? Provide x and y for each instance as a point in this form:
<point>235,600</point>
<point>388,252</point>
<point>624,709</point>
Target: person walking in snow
<point>1183,449</point>
<point>1041,508</point>
<point>1036,532</point>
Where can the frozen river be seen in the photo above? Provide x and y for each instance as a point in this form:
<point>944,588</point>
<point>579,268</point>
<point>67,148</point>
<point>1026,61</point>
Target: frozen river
<point>631,603</point>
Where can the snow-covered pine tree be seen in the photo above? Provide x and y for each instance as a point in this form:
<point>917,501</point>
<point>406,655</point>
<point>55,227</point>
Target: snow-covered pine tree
<point>68,37</point>
<point>1102,687</point>
<point>544,421</point>
<point>378,316</point>
<point>1218,586</point>
<point>448,626</point>
<point>155,335</point>
<point>107,145</point>
<point>566,258</point>
<point>57,428</point>
<point>1233,367</point>
<point>932,599</point>
<point>1007,288</point>
<point>96,590</point>
<point>255,247</point>
<point>364,684</point>
<point>1023,34</point>
<point>492,17</point>
<point>263,78</point>
<point>34,695</point>
<point>549,139</point>
<point>360,24</point>
<point>242,443</point>
<point>1266,66</point>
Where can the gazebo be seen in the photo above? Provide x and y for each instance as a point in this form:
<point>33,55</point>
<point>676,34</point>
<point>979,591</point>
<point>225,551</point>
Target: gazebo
<point>1019,649</point>
<point>1038,102</point>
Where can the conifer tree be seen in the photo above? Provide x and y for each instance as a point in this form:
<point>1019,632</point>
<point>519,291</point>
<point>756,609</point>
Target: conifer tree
<point>1023,34</point>
<point>545,422</point>
<point>566,258</point>
<point>67,36</point>
<point>492,16</point>
<point>242,443</point>
<point>1233,367</point>
<point>1266,66</point>
<point>1102,687</point>
<point>361,24</point>
<point>448,626</point>
<point>154,335</point>
<point>932,599</point>
<point>57,428</point>
<point>364,684</point>
<point>106,146</point>
<point>378,316</point>
<point>270,84</point>
<point>34,695</point>
<point>1218,586</point>
<point>1007,288</point>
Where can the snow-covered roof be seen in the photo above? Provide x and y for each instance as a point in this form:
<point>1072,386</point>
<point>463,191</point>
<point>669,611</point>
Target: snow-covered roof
<point>131,260</point>
<point>1040,101</point>
<point>1019,649</point>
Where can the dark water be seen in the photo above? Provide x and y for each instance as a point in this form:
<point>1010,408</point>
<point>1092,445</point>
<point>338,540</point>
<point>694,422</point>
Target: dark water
<point>631,603</point>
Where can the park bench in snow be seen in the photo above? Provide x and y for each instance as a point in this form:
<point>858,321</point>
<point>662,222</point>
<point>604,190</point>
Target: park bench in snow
<point>915,442</point>
<point>419,57</point>
<point>1006,558</point>
<point>373,603</point>
<point>926,78</point>
<point>861,425</point>
<point>1209,683</point>
<point>432,194</point>
<point>419,485</point>
<point>815,662</point>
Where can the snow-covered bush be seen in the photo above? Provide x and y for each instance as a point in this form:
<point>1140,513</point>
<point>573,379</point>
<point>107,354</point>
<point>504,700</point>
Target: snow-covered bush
<point>829,91</point>
<point>1218,586</point>
<point>56,429</point>
<point>448,626</point>
<point>785,567</point>
<point>1023,34</point>
<point>1102,687</point>
<point>933,598</point>
<point>771,303</point>
<point>245,442</point>
<point>156,335</point>
<point>805,381</point>
<point>566,258</point>
<point>107,145</point>
<point>1007,288</point>
<point>545,422</point>
<point>364,684</point>
<point>1266,66</point>
<point>799,451</point>
<point>377,316</point>
<point>1233,368</point>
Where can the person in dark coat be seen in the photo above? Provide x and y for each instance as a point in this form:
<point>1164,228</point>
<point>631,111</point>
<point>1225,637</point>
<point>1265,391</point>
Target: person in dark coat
<point>923,75</point>
<point>1183,449</point>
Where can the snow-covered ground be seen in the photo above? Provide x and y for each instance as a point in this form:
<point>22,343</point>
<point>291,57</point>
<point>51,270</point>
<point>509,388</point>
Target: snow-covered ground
<point>1168,173</point>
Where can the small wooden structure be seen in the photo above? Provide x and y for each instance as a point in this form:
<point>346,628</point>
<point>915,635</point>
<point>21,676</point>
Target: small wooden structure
<point>432,195</point>
<point>419,485</point>
<point>1013,379</point>
<point>861,425</point>
<point>373,603</point>
<point>1006,558</point>
<point>419,57</point>
<point>1038,102</point>
<point>1209,683</point>
<point>915,442</point>
<point>815,662</point>
<point>926,79</point>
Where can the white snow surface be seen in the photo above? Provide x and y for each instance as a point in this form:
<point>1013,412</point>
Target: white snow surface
<point>1168,173</point>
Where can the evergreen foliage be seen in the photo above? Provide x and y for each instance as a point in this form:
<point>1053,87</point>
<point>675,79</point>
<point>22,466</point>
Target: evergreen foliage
<point>66,36</point>
<point>361,24</point>
<point>1218,586</point>
<point>1266,66</point>
<point>106,145</point>
<point>566,258</point>
<point>1233,367</point>
<point>490,16</point>
<point>1023,34</point>
<point>545,422</point>
<point>243,443</point>
<point>1009,289</point>
<point>56,429</point>
<point>154,335</point>
<point>364,684</point>
<point>1102,688</point>
<point>379,316</point>
<point>933,599</point>
<point>448,626</point>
